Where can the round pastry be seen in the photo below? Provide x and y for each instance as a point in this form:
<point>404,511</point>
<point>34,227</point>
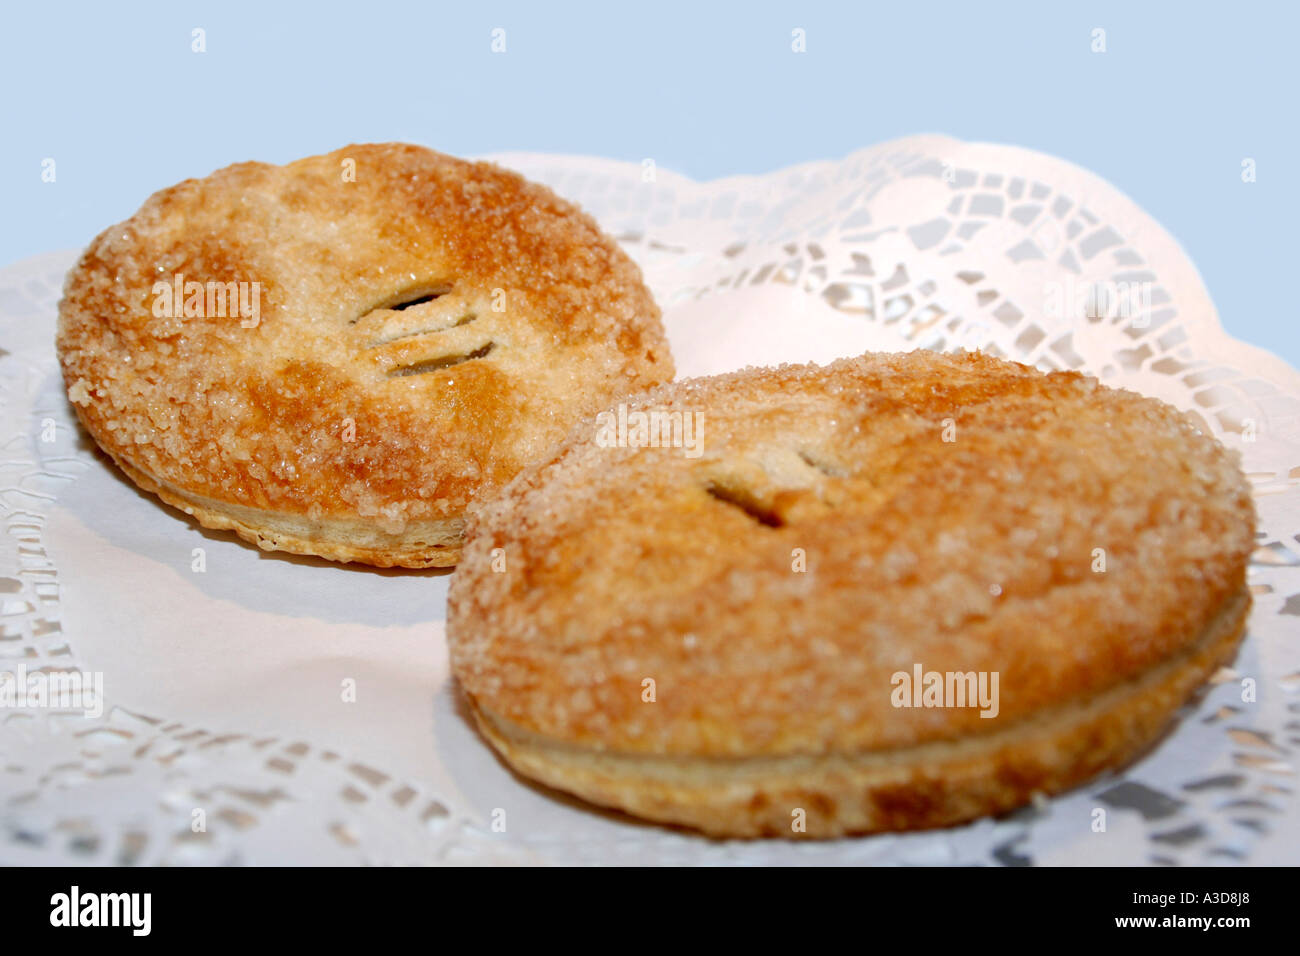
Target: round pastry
<point>898,591</point>
<point>335,357</point>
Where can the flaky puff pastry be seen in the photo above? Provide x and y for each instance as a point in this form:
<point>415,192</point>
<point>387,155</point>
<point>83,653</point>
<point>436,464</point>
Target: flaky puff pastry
<point>411,330</point>
<point>716,641</point>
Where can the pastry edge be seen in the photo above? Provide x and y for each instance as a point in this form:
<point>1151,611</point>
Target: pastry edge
<point>934,785</point>
<point>440,542</point>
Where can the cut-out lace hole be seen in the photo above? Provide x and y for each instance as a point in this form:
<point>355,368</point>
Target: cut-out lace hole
<point>443,361</point>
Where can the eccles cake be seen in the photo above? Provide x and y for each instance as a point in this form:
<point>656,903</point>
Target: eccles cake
<point>897,591</point>
<point>338,356</point>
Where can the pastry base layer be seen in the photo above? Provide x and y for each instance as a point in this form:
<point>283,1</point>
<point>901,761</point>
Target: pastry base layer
<point>423,544</point>
<point>935,785</point>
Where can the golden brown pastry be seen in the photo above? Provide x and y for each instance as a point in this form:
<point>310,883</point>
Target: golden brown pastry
<point>335,357</point>
<point>740,640</point>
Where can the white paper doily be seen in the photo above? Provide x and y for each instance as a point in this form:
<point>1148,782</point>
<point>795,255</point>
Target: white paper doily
<point>225,688</point>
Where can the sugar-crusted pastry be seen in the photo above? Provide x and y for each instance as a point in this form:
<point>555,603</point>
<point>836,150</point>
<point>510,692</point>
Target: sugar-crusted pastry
<point>899,591</point>
<point>335,357</point>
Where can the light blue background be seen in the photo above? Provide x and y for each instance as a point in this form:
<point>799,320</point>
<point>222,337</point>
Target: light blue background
<point>1184,92</point>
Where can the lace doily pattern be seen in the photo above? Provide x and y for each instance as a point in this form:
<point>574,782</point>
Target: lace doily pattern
<point>925,242</point>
